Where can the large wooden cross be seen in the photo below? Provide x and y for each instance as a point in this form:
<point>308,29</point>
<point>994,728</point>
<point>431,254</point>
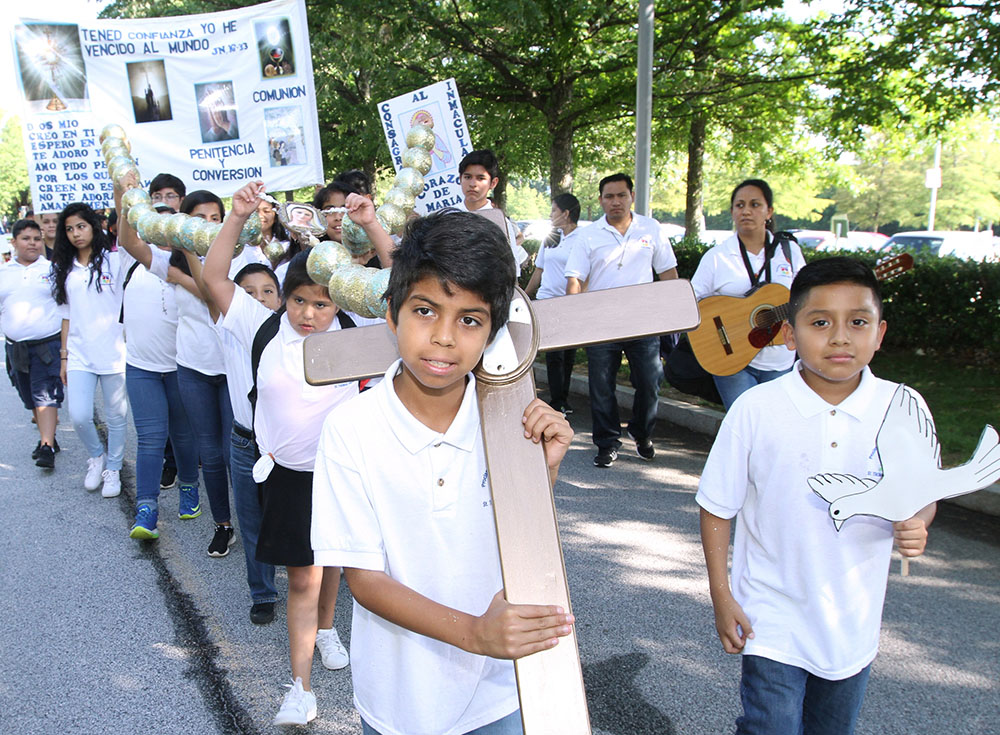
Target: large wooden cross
<point>550,683</point>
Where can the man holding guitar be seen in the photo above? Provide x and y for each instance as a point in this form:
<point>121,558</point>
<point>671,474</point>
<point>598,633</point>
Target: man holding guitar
<point>751,258</point>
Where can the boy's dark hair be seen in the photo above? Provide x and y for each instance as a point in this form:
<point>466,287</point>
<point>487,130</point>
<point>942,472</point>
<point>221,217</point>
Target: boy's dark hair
<point>24,224</point>
<point>484,158</point>
<point>459,249</point>
<point>297,275</point>
<point>64,253</point>
<point>202,196</point>
<point>250,268</point>
<point>334,187</point>
<point>356,180</point>
<point>167,181</point>
<point>827,271</point>
<point>612,179</point>
<point>569,204</point>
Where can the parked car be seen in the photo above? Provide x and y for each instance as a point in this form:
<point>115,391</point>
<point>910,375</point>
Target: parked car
<point>964,245</point>
<point>822,240</point>
<point>671,232</point>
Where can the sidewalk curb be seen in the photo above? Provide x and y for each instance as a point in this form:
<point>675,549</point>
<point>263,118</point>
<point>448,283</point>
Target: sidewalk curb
<point>708,420</point>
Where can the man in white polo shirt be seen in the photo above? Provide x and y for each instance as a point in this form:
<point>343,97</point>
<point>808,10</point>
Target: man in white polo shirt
<point>31,324</point>
<point>621,249</point>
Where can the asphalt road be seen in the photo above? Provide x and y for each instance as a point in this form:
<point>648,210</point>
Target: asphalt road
<point>103,634</point>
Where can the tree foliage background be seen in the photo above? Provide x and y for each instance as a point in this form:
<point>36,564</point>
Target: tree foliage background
<point>839,111</point>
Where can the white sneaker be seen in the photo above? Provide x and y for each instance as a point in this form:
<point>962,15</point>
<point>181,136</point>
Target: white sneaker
<point>112,484</point>
<point>95,466</point>
<point>298,706</point>
<point>331,649</point>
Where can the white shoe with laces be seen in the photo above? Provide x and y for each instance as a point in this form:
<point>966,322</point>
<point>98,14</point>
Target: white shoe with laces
<point>95,467</point>
<point>331,650</point>
<point>298,706</point>
<point>112,484</point>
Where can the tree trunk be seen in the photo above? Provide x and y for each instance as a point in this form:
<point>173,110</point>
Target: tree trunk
<point>500,192</point>
<point>694,213</point>
<point>561,142</point>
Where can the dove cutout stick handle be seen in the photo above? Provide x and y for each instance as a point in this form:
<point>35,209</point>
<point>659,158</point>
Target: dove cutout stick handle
<point>912,477</point>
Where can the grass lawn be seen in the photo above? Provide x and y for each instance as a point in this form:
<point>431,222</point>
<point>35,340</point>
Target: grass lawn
<point>963,396</point>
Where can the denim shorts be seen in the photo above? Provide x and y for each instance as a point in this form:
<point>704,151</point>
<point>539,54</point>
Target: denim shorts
<point>41,386</point>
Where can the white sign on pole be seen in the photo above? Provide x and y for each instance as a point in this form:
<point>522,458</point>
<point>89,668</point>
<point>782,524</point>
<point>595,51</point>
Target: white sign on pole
<point>439,106</point>
<point>215,99</point>
<point>932,178</point>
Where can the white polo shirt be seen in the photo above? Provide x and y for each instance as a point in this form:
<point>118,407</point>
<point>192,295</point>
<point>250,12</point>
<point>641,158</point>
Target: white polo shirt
<point>27,309</point>
<point>239,377</point>
<point>605,258</point>
<point>150,315</point>
<point>394,496</point>
<point>520,254</point>
<point>552,261</point>
<point>813,595</point>
<point>721,272</point>
<point>95,342</point>
<point>290,412</point>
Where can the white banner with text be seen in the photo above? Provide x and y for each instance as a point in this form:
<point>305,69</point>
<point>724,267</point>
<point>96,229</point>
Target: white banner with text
<point>440,107</point>
<point>215,99</point>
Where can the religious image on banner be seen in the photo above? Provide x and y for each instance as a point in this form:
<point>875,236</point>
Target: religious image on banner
<point>274,44</point>
<point>285,136</point>
<point>53,75</point>
<point>150,96</point>
<point>216,111</point>
<point>441,155</point>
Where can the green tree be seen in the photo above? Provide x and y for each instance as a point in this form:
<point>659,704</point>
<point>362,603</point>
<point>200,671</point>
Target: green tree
<point>14,188</point>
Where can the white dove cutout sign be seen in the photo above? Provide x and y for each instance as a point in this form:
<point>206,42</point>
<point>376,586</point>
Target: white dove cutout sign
<point>912,477</point>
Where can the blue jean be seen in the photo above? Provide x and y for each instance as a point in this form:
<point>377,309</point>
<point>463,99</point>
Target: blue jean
<point>81,387</point>
<point>646,370</point>
<point>509,725</point>
<point>559,369</point>
<point>732,386</point>
<point>260,576</point>
<point>779,699</point>
<point>206,402</point>
<point>157,412</point>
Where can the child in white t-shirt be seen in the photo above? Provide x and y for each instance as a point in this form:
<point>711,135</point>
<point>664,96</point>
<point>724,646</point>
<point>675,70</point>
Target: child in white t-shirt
<point>805,604</point>
<point>401,499</point>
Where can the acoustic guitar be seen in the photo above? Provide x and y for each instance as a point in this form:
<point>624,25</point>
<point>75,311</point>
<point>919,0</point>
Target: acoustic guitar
<point>734,329</point>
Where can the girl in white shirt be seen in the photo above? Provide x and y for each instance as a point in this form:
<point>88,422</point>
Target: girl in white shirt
<point>287,420</point>
<point>87,278</point>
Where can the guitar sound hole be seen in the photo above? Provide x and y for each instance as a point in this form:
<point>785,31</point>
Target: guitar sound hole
<point>763,318</point>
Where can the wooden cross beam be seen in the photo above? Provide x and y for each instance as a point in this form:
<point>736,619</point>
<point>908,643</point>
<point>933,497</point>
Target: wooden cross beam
<point>550,683</point>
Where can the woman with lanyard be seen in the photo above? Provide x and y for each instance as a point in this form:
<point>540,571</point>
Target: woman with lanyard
<point>749,258</point>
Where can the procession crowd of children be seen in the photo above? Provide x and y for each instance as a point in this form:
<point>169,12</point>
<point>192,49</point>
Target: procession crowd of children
<point>383,482</point>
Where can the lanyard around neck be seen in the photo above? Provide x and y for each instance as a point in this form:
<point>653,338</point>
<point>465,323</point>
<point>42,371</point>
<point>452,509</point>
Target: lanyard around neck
<point>755,277</point>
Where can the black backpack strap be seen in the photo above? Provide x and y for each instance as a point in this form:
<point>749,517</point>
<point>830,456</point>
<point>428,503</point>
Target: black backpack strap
<point>128,277</point>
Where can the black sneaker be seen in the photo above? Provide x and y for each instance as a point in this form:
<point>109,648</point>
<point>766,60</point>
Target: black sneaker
<point>168,478</point>
<point>224,538</point>
<point>36,450</point>
<point>605,456</point>
<point>644,447</point>
<point>46,458</point>
<point>262,613</point>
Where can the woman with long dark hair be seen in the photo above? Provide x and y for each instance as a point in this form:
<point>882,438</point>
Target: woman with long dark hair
<point>87,284</point>
<point>750,257</point>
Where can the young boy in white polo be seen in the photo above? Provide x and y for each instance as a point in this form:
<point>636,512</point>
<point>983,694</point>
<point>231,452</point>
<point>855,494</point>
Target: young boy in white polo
<point>401,500</point>
<point>30,321</point>
<point>805,604</point>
